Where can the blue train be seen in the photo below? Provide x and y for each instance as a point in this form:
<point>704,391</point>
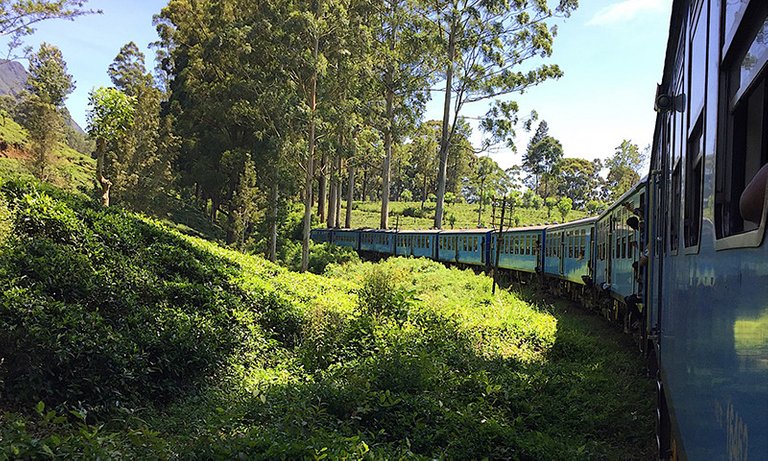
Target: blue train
<point>680,259</point>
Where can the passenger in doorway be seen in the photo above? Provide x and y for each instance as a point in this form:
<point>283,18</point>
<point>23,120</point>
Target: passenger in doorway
<point>633,210</point>
<point>753,197</point>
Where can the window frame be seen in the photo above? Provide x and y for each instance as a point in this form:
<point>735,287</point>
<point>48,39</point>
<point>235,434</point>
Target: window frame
<point>733,45</point>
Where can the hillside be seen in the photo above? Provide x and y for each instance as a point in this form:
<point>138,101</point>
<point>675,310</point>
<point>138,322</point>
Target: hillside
<point>70,169</point>
<point>409,215</point>
<point>123,339</point>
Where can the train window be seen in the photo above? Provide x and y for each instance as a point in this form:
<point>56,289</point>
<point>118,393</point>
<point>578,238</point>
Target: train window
<point>744,122</point>
<point>693,172</point>
<point>674,217</point>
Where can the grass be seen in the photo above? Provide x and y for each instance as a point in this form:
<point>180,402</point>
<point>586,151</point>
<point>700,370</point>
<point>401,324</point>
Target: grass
<point>367,214</point>
<point>144,343</point>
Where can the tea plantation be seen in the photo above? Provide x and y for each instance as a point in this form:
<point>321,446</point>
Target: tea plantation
<point>123,339</point>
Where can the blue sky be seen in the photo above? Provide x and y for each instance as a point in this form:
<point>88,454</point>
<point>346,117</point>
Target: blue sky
<point>612,53</point>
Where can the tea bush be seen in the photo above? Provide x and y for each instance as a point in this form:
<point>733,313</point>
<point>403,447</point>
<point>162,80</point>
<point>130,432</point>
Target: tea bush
<point>147,344</point>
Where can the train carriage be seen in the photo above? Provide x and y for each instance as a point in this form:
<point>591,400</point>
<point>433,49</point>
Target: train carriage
<point>349,238</point>
<point>417,243</point>
<point>377,241</point>
<point>709,262</point>
<point>519,249</point>
<point>321,235</point>
<point>568,253</point>
<point>464,246</point>
<point>620,243</point>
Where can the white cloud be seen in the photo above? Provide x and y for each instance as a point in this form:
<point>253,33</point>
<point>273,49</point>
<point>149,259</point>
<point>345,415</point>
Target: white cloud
<point>625,11</point>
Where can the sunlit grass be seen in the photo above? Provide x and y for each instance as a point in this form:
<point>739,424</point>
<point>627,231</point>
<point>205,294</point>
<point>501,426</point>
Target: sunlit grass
<point>463,216</point>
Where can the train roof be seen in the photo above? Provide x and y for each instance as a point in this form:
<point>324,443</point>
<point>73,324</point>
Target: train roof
<point>419,231</point>
<point>523,229</point>
<point>467,231</point>
<point>578,222</point>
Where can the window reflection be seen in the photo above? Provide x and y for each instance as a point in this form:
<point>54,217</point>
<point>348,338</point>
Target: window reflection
<point>752,62</point>
<point>733,11</point>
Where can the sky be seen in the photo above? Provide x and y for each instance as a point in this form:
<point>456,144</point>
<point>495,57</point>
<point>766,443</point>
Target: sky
<point>611,52</point>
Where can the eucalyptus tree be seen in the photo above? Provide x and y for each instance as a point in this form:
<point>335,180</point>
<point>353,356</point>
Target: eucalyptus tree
<point>48,85</point>
<point>484,44</point>
<point>145,171</point>
<point>405,52</point>
<point>306,32</point>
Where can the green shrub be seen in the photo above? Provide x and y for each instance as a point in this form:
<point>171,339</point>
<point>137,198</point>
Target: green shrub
<point>406,196</point>
<point>380,296</point>
<point>414,212</point>
<point>6,222</point>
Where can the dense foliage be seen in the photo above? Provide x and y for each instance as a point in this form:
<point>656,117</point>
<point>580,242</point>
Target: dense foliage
<point>142,343</point>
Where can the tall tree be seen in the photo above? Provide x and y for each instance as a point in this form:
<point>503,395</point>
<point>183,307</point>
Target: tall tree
<point>484,44</point>
<point>623,168</point>
<point>531,158</point>
<point>48,86</point>
<point>543,161</point>
<point>405,51</point>
<point>144,172</point>
<point>579,179</point>
<point>110,116</point>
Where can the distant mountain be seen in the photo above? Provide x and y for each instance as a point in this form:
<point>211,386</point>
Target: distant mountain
<point>13,79</point>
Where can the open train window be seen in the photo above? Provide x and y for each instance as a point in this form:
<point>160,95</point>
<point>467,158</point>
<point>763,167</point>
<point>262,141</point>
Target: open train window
<point>743,148</point>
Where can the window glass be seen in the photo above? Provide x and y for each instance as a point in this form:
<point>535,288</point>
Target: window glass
<point>674,216</point>
<point>693,180</point>
<point>698,64</point>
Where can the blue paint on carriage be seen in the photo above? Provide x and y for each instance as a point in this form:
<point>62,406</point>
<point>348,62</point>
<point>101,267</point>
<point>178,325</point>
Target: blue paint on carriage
<point>464,246</point>
<point>321,235</point>
<point>519,249</point>
<point>569,250</point>
<point>417,244</point>
<point>377,241</point>
<point>349,238</point>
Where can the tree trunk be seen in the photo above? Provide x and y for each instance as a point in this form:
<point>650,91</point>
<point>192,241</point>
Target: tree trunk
<point>350,194</point>
<point>337,205</point>
<point>364,186</point>
<point>332,195</point>
<point>322,188</point>
<point>309,162</point>
<point>105,183</point>
<point>445,140</point>
<point>275,195</point>
<point>385,170</point>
